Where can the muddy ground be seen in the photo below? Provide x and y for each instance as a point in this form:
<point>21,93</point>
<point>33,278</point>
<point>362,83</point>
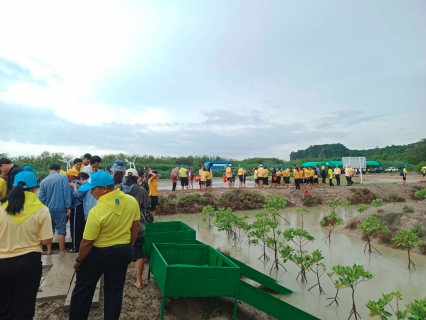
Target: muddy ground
<point>145,304</point>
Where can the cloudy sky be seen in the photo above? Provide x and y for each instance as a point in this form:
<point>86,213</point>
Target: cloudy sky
<point>230,78</point>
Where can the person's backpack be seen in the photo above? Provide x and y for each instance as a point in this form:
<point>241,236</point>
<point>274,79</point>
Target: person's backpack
<point>148,215</point>
<point>401,173</point>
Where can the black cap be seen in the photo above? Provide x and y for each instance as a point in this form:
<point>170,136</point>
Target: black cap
<point>5,161</point>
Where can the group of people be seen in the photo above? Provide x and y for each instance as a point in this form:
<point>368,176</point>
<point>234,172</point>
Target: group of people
<point>108,211</point>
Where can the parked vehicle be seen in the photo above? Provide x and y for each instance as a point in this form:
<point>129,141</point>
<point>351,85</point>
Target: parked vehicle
<point>391,169</point>
<point>376,170</point>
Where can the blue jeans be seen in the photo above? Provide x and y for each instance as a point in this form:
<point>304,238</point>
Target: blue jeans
<point>112,262</point>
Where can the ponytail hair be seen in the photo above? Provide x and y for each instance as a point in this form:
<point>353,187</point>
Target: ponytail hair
<point>16,199</point>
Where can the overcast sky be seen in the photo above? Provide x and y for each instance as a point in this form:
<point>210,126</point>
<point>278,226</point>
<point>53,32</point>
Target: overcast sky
<point>231,78</point>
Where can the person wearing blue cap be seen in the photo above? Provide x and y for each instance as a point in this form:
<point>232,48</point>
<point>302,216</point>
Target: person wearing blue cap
<point>25,225</point>
<point>106,249</point>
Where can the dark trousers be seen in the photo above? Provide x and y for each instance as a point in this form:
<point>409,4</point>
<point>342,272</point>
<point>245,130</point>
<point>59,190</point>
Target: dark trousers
<point>349,181</point>
<point>174,186</point>
<point>77,224</point>
<point>19,282</point>
<point>338,179</point>
<point>297,183</point>
<point>331,182</point>
<point>112,262</point>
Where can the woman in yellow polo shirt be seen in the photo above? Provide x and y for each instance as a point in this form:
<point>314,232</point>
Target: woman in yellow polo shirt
<point>110,233</point>
<point>25,225</point>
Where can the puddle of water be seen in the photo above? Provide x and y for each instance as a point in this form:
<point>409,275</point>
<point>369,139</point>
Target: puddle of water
<point>389,269</point>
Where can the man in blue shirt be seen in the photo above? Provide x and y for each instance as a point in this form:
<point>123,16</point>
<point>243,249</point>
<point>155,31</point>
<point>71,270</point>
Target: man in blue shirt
<point>55,194</point>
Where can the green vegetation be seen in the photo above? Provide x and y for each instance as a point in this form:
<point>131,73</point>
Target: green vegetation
<point>420,194</point>
<point>408,209</point>
<point>377,203</point>
<point>370,226</point>
<point>226,220</point>
<point>302,211</point>
<point>330,222</point>
<point>318,269</point>
<point>258,231</point>
<point>416,310</point>
<point>362,208</point>
<point>273,205</point>
<point>207,215</point>
<point>298,256</point>
<point>406,239</point>
<point>349,277</point>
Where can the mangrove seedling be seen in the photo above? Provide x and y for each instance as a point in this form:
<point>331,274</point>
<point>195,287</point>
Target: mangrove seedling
<point>377,308</point>
<point>207,215</point>
<point>333,204</point>
<point>302,211</point>
<point>406,239</point>
<point>377,203</point>
<point>362,208</point>
<point>330,222</point>
<point>318,268</point>
<point>345,205</point>
<point>350,277</point>
<point>273,205</point>
<point>300,257</point>
<point>275,241</point>
<point>421,194</point>
<point>369,227</point>
<point>258,231</point>
<point>226,220</point>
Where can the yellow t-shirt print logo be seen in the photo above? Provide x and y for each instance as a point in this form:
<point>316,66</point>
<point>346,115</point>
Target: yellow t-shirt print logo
<point>117,202</point>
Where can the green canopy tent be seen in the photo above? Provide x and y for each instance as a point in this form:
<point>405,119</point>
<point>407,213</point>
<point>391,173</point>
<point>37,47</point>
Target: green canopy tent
<point>333,163</point>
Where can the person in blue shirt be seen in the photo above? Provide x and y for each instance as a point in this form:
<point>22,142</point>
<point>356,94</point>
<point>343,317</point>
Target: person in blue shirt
<point>55,194</point>
<point>84,196</point>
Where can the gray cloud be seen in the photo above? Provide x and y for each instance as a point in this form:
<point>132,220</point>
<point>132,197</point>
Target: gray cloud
<point>13,72</point>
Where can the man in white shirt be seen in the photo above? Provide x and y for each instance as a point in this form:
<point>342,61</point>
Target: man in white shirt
<point>348,175</point>
<point>260,176</point>
<point>94,164</point>
<point>337,173</point>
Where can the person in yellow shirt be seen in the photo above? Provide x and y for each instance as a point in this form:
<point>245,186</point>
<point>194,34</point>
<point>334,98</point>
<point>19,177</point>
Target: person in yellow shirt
<point>256,178</point>
<point>208,179</point>
<point>278,174</point>
<point>260,176</point>
<point>183,175</point>
<point>296,177</point>
<point>404,175</point>
<point>203,178</point>
<point>3,188</point>
<point>25,225</point>
<point>153,190</point>
<point>228,172</point>
<point>330,174</point>
<point>78,164</point>
<point>337,173</point>
<point>242,176</point>
<point>106,249</point>
<point>301,176</point>
<point>265,177</point>
<point>286,177</point>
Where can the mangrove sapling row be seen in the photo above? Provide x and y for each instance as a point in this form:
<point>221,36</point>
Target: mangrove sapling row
<point>302,211</point>
<point>369,227</point>
<point>330,222</point>
<point>298,256</point>
<point>258,231</point>
<point>226,220</point>
<point>349,277</point>
<point>377,308</point>
<point>377,203</point>
<point>318,268</point>
<point>406,239</point>
<point>273,205</point>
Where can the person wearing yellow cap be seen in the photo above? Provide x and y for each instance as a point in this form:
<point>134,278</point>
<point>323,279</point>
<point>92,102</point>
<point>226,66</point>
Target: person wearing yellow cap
<point>110,233</point>
<point>25,225</point>
<point>72,174</point>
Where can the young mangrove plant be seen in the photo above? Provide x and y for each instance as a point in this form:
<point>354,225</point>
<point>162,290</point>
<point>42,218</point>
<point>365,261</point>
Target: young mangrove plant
<point>417,309</point>
<point>302,211</point>
<point>333,204</point>
<point>330,222</point>
<point>345,205</point>
<point>377,308</point>
<point>362,208</point>
<point>275,241</point>
<point>377,203</point>
<point>406,239</point>
<point>369,227</point>
<point>273,205</point>
<point>207,215</point>
<point>349,277</point>
<point>258,231</point>
<point>318,268</point>
<point>298,256</point>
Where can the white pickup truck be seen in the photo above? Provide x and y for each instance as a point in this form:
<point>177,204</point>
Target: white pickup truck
<point>391,169</point>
